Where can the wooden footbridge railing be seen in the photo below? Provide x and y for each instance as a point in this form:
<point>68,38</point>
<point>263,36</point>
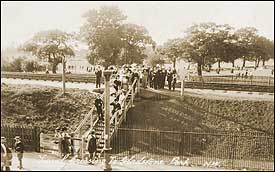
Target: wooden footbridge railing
<point>91,122</point>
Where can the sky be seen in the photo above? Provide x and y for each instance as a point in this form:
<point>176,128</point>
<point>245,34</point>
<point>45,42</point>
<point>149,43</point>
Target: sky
<point>164,20</point>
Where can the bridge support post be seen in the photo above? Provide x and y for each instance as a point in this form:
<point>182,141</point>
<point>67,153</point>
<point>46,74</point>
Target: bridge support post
<point>107,148</point>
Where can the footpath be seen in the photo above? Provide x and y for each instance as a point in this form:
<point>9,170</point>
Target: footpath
<point>48,162</point>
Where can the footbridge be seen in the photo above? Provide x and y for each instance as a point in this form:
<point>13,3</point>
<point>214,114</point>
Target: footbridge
<point>90,123</point>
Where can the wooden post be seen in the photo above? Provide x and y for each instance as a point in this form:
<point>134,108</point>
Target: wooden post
<point>82,148</point>
<point>63,74</point>
<point>80,145</point>
<point>269,78</point>
<point>182,87</point>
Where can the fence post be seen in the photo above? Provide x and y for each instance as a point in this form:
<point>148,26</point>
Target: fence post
<point>190,143</point>
<point>182,87</point>
<point>82,148</point>
<point>37,140</point>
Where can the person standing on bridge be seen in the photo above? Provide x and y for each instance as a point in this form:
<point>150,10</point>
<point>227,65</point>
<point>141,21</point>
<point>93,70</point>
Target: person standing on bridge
<point>169,78</point>
<point>99,107</point>
<point>174,79</point>
<point>116,106</point>
<point>98,74</point>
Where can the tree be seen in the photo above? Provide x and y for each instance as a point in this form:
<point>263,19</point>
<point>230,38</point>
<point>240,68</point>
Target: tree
<point>263,50</point>
<point>111,41</point>
<point>198,44</point>
<point>246,41</point>
<point>135,40</point>
<point>222,45</point>
<point>51,45</point>
<point>103,33</point>
<point>156,57</point>
<point>14,66</point>
<point>173,50</point>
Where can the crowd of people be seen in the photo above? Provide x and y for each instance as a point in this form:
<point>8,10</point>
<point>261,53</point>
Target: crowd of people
<point>122,78</point>
<point>65,142</point>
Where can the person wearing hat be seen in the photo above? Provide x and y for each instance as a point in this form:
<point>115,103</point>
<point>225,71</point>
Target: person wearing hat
<point>58,136</point>
<point>169,78</point>
<point>65,142</point>
<point>115,106</point>
<point>98,74</point>
<point>91,146</point>
<point>6,155</point>
<point>19,149</point>
<point>99,107</point>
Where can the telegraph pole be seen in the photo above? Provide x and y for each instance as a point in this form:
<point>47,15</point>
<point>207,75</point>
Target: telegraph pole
<point>63,74</point>
<point>107,148</point>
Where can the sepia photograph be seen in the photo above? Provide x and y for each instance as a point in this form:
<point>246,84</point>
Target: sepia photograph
<point>137,85</point>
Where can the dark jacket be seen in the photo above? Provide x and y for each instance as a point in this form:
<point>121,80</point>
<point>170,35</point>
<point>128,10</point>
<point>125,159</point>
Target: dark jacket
<point>19,147</point>
<point>98,74</point>
<point>169,76</point>
<point>92,144</point>
<point>98,103</point>
<point>116,106</point>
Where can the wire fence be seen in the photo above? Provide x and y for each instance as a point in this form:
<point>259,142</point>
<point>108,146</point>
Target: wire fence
<point>231,79</point>
<point>252,151</point>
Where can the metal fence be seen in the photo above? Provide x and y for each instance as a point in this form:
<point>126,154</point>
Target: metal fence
<point>231,79</point>
<point>252,151</point>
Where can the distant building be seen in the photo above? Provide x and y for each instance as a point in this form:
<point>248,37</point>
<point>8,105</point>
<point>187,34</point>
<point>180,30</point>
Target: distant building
<point>78,63</point>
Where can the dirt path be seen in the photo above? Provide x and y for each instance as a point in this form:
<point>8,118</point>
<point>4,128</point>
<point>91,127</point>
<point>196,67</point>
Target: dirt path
<point>219,94</point>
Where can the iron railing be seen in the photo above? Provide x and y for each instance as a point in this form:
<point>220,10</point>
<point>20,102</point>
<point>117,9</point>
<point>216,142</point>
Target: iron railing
<point>252,151</point>
<point>232,79</point>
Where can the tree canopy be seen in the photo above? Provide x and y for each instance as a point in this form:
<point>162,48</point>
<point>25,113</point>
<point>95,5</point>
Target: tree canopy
<point>50,45</point>
<point>111,41</point>
<point>208,43</point>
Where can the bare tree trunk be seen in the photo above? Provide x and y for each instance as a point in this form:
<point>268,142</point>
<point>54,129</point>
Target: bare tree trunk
<point>233,63</point>
<point>199,69</point>
<point>263,62</point>
<point>257,62</point>
<point>244,59</point>
<point>219,64</point>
